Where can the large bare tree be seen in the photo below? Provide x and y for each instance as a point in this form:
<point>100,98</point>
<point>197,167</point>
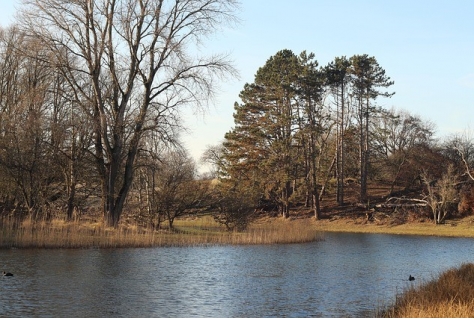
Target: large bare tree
<point>132,64</point>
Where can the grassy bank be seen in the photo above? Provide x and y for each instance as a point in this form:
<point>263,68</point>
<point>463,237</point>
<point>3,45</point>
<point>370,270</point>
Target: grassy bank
<point>187,232</point>
<point>205,231</point>
<point>453,228</point>
<point>450,296</point>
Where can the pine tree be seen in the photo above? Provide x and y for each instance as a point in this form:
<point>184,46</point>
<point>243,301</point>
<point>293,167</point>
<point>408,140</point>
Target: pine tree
<point>311,89</point>
<point>368,76</point>
<point>338,78</point>
<point>260,149</point>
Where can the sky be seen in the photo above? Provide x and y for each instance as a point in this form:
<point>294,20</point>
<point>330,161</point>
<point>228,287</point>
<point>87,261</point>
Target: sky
<point>425,46</point>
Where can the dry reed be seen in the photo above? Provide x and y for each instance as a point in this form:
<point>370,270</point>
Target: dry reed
<point>200,231</point>
<point>450,296</point>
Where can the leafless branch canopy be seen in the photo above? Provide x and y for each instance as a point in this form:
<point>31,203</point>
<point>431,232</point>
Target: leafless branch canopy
<point>132,65</point>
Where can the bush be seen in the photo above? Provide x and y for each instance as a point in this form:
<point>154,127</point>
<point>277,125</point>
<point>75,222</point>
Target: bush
<point>466,203</point>
<point>235,208</point>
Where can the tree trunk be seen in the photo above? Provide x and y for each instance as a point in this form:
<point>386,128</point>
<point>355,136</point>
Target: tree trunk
<point>314,185</point>
<point>366,148</point>
<point>316,206</point>
<point>286,200</point>
<point>116,201</point>
<point>72,184</point>
<point>340,152</point>
<point>70,201</point>
<point>326,180</point>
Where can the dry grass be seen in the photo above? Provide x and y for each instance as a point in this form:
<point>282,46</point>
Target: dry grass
<point>188,232</point>
<point>450,296</point>
<point>280,231</point>
<point>454,228</point>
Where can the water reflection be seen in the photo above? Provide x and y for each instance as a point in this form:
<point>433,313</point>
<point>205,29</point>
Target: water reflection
<point>346,275</point>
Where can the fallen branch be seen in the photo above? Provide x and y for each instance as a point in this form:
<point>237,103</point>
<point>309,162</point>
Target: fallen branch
<point>389,205</point>
<point>395,202</point>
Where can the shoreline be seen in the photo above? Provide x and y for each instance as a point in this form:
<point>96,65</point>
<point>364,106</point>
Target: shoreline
<point>202,231</point>
<point>452,228</point>
<point>449,295</point>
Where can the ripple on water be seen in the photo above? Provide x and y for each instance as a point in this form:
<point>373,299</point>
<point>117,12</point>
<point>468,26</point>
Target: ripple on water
<point>346,275</point>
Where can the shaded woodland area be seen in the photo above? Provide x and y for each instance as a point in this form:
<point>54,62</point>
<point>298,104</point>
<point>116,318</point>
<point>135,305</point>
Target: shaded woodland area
<point>90,95</point>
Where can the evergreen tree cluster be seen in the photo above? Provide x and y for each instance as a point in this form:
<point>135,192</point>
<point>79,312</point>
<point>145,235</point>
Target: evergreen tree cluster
<point>302,128</point>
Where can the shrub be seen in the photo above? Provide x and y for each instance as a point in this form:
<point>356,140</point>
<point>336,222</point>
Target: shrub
<point>466,203</point>
<point>235,208</point>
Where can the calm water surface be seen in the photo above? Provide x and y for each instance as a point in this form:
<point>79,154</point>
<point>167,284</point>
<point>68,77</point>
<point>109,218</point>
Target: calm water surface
<point>346,275</point>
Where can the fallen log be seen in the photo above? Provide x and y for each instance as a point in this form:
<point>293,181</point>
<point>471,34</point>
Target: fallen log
<point>403,199</point>
<point>389,205</point>
<point>395,202</point>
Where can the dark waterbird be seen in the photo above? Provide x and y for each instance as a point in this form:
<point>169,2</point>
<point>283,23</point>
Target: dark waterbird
<point>411,278</point>
<point>9,274</point>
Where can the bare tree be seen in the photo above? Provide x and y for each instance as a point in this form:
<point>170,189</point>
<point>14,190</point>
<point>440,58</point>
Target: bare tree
<point>396,135</point>
<point>70,141</point>
<point>25,100</point>
<point>464,147</point>
<point>213,156</point>
<point>177,192</point>
<point>132,66</point>
<point>441,194</point>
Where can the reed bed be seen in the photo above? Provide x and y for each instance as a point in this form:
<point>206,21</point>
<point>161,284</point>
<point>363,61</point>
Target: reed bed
<point>195,232</point>
<point>450,296</point>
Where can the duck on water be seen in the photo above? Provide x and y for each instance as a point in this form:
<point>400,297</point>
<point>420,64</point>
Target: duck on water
<point>8,274</point>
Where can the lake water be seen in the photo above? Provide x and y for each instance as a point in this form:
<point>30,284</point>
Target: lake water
<point>345,275</point>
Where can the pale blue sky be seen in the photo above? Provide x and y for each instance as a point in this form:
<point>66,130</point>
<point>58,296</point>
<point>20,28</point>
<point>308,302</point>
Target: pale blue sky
<point>425,46</point>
